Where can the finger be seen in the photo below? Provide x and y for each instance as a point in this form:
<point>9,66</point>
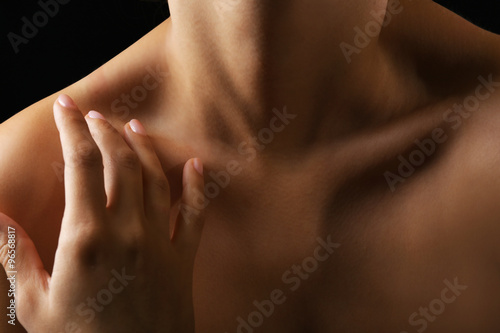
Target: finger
<point>156,186</point>
<point>122,168</point>
<point>189,223</point>
<point>24,268</point>
<point>83,168</point>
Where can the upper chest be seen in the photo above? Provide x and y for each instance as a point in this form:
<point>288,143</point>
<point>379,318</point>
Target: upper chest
<point>301,251</point>
<point>279,269</point>
<point>327,244</point>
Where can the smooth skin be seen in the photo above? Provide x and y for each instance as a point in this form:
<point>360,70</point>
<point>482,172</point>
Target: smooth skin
<point>222,67</point>
<point>115,236</point>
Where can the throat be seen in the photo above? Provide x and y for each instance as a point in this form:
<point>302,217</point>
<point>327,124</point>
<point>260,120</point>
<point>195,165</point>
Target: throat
<point>247,59</point>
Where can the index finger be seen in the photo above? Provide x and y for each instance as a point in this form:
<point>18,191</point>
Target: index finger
<point>83,167</point>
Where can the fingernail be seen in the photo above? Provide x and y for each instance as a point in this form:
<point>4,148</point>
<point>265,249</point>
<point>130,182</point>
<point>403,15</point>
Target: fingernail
<point>198,166</point>
<point>96,115</point>
<point>137,127</point>
<point>66,101</point>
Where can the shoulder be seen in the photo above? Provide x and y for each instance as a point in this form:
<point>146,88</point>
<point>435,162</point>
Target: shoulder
<point>29,148</point>
<point>435,39</point>
<point>31,162</point>
<point>473,164</point>
<point>475,120</point>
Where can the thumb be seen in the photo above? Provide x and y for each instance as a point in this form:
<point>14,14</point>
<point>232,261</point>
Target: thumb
<point>23,266</point>
<point>189,224</point>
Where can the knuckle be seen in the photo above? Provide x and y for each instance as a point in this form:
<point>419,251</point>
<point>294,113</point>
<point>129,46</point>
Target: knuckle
<point>74,121</point>
<point>133,243</point>
<point>106,126</point>
<point>162,183</point>
<point>102,130</point>
<point>88,251</point>
<point>126,158</point>
<point>85,154</point>
<point>87,245</point>
<point>133,246</point>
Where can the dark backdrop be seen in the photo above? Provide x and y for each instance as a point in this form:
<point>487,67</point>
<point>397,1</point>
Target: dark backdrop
<point>84,34</point>
<point>81,36</point>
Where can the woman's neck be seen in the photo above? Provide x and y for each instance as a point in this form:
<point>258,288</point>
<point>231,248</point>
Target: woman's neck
<point>237,60</point>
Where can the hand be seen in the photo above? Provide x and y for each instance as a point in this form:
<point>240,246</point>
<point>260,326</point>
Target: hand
<point>117,267</point>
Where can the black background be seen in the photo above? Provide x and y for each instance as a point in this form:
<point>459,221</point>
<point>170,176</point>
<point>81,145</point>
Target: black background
<point>84,34</point>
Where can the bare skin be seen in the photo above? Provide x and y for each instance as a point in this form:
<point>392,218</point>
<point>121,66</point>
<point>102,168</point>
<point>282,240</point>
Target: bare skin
<point>321,176</point>
<point>115,250</point>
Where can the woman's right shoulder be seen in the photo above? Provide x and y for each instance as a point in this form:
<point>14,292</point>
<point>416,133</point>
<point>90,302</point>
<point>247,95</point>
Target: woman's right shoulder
<point>31,162</point>
<point>32,178</point>
<point>31,173</point>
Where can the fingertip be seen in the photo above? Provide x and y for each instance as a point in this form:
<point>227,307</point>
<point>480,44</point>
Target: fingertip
<point>137,127</point>
<point>62,103</point>
<point>193,167</point>
<point>95,115</point>
<point>56,109</point>
<point>198,166</point>
<point>193,183</point>
<point>66,101</point>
